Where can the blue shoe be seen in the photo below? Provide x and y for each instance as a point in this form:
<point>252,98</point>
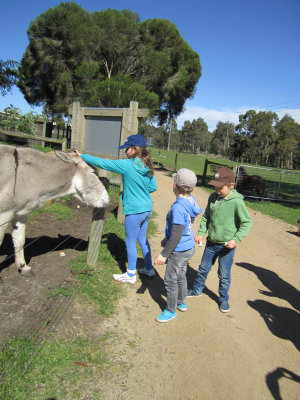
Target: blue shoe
<point>166,316</point>
<point>192,293</point>
<point>224,306</point>
<point>181,307</point>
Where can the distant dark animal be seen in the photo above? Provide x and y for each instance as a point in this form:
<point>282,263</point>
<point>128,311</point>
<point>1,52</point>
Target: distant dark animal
<point>252,185</point>
<point>30,178</point>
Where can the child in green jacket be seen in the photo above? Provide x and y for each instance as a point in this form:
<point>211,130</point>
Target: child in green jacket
<point>227,222</point>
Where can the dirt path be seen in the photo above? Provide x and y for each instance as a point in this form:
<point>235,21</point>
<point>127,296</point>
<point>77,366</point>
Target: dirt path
<point>250,353</point>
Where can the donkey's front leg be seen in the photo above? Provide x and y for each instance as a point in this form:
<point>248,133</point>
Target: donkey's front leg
<point>18,235</point>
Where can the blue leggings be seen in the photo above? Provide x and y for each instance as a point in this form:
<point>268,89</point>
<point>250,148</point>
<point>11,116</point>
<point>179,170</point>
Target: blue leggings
<point>136,228</point>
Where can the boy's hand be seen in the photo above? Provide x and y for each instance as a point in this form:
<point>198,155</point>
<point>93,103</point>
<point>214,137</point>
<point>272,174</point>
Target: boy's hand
<point>160,260</point>
<point>198,239</point>
<point>77,153</point>
<point>231,244</point>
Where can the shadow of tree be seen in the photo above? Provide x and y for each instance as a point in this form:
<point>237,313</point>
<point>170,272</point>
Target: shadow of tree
<point>277,286</point>
<point>272,380</point>
<point>282,322</point>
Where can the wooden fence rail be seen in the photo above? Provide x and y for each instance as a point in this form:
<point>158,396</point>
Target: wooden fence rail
<point>20,135</point>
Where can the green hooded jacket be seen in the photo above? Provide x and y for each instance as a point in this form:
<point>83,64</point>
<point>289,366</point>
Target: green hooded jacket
<point>225,219</point>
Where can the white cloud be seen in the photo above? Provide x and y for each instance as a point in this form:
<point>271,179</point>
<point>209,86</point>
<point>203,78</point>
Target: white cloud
<point>212,117</point>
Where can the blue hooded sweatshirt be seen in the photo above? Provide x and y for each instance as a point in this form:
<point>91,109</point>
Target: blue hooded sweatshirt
<point>137,182</point>
<point>183,212</point>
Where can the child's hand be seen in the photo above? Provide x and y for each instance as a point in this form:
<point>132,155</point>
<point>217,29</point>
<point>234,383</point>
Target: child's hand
<point>231,244</point>
<point>160,260</point>
<point>198,239</point>
<point>77,153</point>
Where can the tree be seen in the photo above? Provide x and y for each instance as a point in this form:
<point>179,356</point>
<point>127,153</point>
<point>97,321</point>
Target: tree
<point>158,134</point>
<point>169,66</point>
<point>202,136</point>
<point>260,128</point>
<point>288,148</point>
<point>12,119</point>
<point>8,75</point>
<point>186,137</point>
<point>222,138</point>
<point>107,58</point>
<point>171,130</point>
<point>195,136</point>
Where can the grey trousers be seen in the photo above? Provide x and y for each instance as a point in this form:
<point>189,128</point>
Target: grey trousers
<point>175,278</point>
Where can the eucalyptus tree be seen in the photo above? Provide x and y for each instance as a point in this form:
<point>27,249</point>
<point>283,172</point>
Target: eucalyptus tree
<point>222,138</point>
<point>258,128</point>
<point>202,137</point>
<point>288,147</point>
<point>107,58</point>
<point>195,136</point>
<point>186,137</point>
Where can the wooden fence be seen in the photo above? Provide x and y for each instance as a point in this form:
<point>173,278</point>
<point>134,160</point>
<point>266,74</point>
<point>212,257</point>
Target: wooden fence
<point>43,140</point>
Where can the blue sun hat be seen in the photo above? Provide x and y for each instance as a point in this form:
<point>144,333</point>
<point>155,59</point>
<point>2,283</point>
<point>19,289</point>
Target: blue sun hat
<point>134,140</point>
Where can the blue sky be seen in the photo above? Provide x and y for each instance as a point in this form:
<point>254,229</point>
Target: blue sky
<point>249,51</point>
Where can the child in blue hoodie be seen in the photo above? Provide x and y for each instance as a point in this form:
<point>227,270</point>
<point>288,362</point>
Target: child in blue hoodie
<point>179,244</point>
<point>138,182</point>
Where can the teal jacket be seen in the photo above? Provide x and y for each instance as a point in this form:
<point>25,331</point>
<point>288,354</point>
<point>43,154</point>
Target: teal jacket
<point>225,219</point>
<point>137,182</point>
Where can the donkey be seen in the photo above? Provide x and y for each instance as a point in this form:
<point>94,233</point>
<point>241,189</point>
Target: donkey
<point>250,184</point>
<point>30,178</point>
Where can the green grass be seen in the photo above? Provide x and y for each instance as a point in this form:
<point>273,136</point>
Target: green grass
<point>114,193</point>
<point>192,161</point>
<point>54,371</point>
<point>289,213</point>
<point>60,211</point>
<point>61,291</point>
<point>45,149</point>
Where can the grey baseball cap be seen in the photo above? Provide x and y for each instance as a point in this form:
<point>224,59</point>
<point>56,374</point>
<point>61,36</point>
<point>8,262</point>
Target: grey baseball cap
<point>185,177</point>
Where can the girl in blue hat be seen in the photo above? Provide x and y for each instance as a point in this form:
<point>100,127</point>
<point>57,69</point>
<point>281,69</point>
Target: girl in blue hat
<point>138,182</point>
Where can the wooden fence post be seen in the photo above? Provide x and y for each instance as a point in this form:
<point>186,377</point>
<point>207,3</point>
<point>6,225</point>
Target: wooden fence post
<point>64,144</point>
<point>120,215</point>
<point>44,132</point>
<point>175,165</point>
<point>204,172</point>
<point>95,236</point>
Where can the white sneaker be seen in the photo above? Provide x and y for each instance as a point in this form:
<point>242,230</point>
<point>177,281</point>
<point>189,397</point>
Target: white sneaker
<point>148,272</point>
<point>124,278</point>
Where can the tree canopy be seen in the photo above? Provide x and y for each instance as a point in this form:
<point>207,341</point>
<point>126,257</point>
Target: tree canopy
<point>8,75</point>
<point>106,59</point>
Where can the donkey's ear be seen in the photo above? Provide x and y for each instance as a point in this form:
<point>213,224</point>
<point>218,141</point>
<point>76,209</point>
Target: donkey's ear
<point>65,157</point>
